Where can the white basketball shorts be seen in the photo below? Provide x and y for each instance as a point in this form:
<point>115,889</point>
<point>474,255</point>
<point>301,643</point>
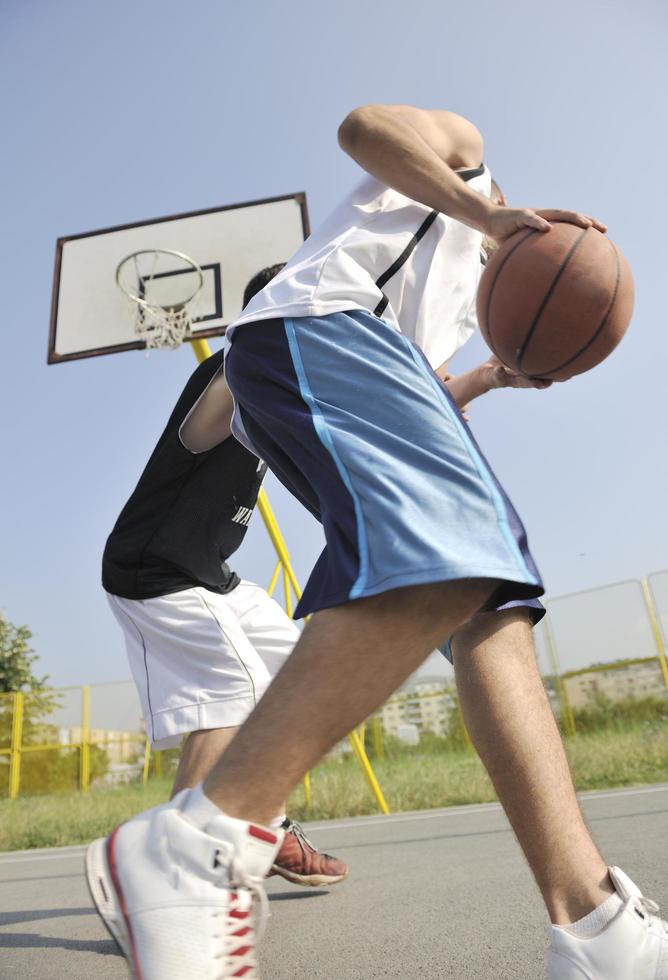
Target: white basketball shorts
<point>202,660</point>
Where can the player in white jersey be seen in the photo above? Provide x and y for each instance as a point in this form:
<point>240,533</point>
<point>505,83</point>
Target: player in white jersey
<point>382,252</point>
<point>332,375</point>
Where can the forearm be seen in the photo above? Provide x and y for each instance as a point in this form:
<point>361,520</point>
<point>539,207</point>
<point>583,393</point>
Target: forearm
<point>483,378</point>
<point>465,387</point>
<point>392,150</point>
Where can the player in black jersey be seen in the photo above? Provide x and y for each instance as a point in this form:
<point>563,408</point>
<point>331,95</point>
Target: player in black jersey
<point>203,644</point>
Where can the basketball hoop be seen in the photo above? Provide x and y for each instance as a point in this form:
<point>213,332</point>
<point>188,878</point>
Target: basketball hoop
<point>162,285</point>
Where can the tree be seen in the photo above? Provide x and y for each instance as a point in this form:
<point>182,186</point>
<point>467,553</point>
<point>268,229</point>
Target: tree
<point>16,674</point>
<point>41,771</point>
<point>17,658</point>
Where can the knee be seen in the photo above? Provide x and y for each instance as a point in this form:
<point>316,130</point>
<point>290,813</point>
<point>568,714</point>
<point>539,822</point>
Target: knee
<point>485,626</point>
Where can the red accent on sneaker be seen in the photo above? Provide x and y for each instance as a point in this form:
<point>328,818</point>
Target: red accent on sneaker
<point>242,972</point>
<point>242,932</point>
<point>236,914</point>
<point>262,834</point>
<point>111,860</point>
<point>241,951</point>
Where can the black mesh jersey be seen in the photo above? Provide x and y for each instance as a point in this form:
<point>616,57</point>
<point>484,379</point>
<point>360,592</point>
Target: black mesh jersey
<point>188,513</point>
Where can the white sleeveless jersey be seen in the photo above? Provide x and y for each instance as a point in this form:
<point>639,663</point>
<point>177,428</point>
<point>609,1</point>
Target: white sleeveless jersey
<point>383,252</point>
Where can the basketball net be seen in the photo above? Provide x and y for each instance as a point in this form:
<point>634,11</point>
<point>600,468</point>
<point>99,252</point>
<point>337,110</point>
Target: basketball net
<point>160,326</point>
<point>168,323</point>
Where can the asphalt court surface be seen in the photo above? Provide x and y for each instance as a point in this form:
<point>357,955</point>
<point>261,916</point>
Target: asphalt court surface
<point>433,894</point>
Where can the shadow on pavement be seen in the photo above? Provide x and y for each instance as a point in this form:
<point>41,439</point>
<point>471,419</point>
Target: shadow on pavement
<point>289,896</point>
<point>30,940</point>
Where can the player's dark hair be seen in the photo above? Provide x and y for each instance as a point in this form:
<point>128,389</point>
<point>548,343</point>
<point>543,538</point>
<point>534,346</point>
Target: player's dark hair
<point>260,280</point>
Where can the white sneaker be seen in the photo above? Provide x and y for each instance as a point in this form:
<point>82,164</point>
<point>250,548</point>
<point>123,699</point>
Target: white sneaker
<point>634,946</point>
<point>178,900</point>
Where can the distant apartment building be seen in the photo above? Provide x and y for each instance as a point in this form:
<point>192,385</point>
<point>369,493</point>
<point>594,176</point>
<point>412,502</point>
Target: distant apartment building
<point>424,704</point>
<point>121,747</point>
<point>615,681</point>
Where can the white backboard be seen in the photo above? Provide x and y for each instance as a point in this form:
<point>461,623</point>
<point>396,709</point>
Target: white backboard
<point>91,316</point>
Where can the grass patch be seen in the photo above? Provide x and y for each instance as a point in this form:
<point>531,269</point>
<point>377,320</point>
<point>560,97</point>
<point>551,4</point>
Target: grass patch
<point>411,780</point>
<point>416,781</point>
<point>73,818</point>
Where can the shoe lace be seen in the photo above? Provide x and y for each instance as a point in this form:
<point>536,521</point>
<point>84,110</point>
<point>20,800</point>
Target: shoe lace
<point>298,831</point>
<point>652,908</point>
<point>238,940</point>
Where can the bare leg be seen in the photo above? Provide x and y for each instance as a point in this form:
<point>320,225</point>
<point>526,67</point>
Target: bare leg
<point>201,752</point>
<point>347,662</point>
<point>510,721</point>
<point>199,755</point>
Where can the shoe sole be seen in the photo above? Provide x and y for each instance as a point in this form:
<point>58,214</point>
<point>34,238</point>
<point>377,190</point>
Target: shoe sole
<point>310,881</point>
<point>108,899</point>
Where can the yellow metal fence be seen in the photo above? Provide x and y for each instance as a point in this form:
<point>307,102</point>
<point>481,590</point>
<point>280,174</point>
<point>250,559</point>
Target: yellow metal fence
<point>47,744</point>
<point>69,738</point>
<point>621,626</point>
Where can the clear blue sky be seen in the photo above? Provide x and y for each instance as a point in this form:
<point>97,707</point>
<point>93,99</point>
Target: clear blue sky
<point>115,112</point>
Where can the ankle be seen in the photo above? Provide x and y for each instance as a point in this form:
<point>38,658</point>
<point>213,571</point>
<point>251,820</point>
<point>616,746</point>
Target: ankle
<point>596,921</point>
<point>574,900</point>
<point>252,806</point>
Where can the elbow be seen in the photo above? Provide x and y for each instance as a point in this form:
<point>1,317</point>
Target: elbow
<point>355,126</point>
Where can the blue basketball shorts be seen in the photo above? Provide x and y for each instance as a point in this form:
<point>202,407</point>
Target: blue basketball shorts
<point>353,421</point>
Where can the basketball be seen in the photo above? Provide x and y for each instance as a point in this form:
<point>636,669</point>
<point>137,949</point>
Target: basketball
<point>555,304</point>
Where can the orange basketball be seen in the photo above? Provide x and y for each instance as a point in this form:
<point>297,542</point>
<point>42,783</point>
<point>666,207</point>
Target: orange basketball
<point>555,304</point>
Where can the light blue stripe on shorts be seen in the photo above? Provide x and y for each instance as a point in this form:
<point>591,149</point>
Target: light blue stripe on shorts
<point>427,506</point>
<point>325,436</point>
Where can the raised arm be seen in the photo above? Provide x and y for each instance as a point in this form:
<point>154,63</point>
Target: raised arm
<point>416,151</point>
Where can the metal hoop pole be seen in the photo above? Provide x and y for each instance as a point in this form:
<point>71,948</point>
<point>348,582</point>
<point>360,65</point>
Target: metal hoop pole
<point>201,348</point>
<point>656,628</point>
